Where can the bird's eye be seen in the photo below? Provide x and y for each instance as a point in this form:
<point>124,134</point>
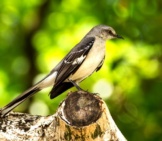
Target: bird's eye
<point>110,32</point>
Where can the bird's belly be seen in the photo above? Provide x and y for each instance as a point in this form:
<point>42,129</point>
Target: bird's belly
<point>89,65</point>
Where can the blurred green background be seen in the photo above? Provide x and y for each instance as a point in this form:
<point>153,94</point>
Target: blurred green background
<point>36,34</point>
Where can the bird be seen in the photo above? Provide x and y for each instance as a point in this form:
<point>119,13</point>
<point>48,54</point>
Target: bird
<point>83,60</point>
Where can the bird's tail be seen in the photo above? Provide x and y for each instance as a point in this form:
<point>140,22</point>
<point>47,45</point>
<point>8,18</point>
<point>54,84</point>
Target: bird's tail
<point>45,82</point>
<point>18,100</point>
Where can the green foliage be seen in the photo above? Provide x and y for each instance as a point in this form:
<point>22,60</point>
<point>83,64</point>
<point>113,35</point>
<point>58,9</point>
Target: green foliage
<point>36,34</point>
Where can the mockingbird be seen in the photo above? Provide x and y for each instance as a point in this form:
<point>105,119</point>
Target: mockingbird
<point>84,59</point>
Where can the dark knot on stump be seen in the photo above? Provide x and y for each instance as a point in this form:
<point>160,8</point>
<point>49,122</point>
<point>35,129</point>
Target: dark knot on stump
<point>82,108</point>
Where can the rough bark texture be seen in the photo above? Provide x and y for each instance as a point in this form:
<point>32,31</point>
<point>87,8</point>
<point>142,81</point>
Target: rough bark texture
<point>80,117</point>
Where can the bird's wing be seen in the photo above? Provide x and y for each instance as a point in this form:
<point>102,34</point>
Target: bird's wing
<point>73,60</point>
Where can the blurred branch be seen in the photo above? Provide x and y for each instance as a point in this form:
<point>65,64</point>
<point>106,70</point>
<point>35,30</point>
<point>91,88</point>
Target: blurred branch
<point>81,116</point>
<point>28,46</point>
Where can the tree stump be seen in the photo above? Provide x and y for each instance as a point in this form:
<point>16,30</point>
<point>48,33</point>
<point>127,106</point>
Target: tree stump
<point>82,116</point>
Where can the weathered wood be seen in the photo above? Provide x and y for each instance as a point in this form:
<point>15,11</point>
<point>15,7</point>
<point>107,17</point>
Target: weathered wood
<point>80,117</point>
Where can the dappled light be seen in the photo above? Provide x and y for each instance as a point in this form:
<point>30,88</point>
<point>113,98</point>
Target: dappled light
<point>36,34</point>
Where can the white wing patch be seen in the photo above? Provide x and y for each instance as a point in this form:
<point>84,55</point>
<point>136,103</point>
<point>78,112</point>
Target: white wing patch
<point>79,60</point>
<point>67,62</point>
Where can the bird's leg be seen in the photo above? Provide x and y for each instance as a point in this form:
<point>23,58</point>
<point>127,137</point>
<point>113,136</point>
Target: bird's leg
<point>79,88</point>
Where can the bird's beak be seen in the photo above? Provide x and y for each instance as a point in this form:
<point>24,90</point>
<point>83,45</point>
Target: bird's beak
<point>118,36</point>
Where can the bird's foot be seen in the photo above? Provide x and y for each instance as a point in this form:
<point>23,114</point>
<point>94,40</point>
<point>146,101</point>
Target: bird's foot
<point>77,86</point>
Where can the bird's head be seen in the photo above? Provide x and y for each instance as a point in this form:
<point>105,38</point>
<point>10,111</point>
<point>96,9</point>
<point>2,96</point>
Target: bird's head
<point>105,32</point>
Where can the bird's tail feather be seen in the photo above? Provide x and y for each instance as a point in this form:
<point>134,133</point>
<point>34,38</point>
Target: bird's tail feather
<point>18,100</point>
<point>46,82</point>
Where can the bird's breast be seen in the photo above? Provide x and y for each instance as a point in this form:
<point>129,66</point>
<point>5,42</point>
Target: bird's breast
<point>91,62</point>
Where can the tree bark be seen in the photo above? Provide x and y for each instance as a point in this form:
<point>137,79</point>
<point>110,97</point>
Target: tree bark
<point>80,117</point>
